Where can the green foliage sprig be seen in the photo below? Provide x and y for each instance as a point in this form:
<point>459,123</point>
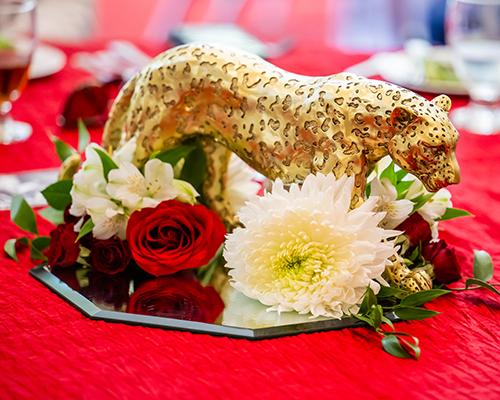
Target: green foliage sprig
<point>400,305</point>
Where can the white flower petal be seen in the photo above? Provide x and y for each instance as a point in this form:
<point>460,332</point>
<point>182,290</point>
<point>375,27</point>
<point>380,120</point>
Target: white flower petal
<point>159,177</point>
<point>241,183</point>
<point>125,154</point>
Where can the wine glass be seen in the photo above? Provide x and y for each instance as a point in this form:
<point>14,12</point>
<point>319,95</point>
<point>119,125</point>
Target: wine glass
<point>473,30</point>
<point>17,41</point>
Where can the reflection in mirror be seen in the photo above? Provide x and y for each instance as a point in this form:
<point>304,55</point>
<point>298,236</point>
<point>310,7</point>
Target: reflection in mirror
<point>180,296</point>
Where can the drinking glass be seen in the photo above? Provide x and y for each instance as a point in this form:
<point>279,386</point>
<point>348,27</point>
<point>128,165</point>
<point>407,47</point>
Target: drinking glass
<point>17,41</point>
<point>473,30</point>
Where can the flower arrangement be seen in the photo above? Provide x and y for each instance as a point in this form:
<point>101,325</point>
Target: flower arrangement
<point>299,249</point>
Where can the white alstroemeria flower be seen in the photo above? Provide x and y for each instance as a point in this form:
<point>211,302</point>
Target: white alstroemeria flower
<point>241,185</point>
<point>436,206</point>
<point>185,192</point>
<point>416,189</point>
<point>125,154</point>
<point>434,209</point>
<point>88,182</point>
<point>396,210</point>
<point>304,249</point>
<point>108,217</point>
<point>136,191</point>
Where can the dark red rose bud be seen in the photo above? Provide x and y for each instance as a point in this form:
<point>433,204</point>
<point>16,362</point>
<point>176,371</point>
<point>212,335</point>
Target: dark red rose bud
<point>444,260</point>
<point>174,236</point>
<point>417,229</point>
<point>178,297</point>
<point>109,256</point>
<point>63,250</point>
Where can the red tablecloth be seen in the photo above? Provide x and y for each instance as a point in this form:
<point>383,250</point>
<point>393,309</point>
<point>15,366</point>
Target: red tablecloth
<point>50,350</point>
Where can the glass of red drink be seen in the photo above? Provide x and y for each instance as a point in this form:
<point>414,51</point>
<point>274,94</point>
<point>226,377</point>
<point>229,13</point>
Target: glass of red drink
<point>17,42</point>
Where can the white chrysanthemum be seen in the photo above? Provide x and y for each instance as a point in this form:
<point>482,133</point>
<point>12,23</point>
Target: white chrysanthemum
<point>396,210</point>
<point>305,250</point>
<point>241,184</point>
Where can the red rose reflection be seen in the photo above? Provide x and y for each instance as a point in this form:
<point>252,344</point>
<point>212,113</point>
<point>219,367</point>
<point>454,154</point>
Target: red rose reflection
<point>108,290</point>
<point>444,260</point>
<point>174,236</point>
<point>177,297</point>
<point>63,250</point>
<point>417,229</point>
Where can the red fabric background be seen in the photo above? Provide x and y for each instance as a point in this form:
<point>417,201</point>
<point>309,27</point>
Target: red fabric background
<point>49,350</point>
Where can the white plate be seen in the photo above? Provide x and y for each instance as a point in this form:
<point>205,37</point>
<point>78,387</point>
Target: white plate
<point>401,69</point>
<point>47,60</point>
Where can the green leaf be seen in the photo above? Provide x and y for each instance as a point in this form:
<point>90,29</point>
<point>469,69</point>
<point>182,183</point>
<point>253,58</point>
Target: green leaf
<point>419,201</point>
<point>364,318</point>
<point>38,245</point>
<point>36,254</point>
<point>369,300</point>
<point>389,291</point>
<point>387,321</point>
<point>173,156</point>
<point>10,248</point>
<point>414,313</point>
<point>401,174</point>
<point>83,136</point>
<point>85,229</point>
<point>415,254</point>
<point>63,149</point>
<point>58,194</point>
<point>22,214</point>
<point>402,187</point>
<point>377,313</point>
<point>368,189</point>
<point>483,265</point>
<point>389,174</point>
<point>195,168</point>
<point>451,213</point>
<point>107,162</point>
<point>411,347</point>
<point>483,284</point>
<point>391,345</point>
<point>419,298</point>
<point>41,242</point>
<point>52,215</point>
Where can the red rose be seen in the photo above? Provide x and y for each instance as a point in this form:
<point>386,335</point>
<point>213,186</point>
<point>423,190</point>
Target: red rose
<point>174,236</point>
<point>109,256</point>
<point>417,229</point>
<point>444,260</point>
<point>63,250</point>
<point>177,297</point>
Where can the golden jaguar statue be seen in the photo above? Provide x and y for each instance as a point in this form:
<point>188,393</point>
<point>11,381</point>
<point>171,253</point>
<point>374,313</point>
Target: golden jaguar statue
<point>282,124</point>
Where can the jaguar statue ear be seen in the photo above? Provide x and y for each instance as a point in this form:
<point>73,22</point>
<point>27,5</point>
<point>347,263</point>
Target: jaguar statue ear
<point>442,101</point>
<point>401,117</point>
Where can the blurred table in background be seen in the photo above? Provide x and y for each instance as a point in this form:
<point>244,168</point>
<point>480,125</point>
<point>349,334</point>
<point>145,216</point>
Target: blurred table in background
<point>50,350</point>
